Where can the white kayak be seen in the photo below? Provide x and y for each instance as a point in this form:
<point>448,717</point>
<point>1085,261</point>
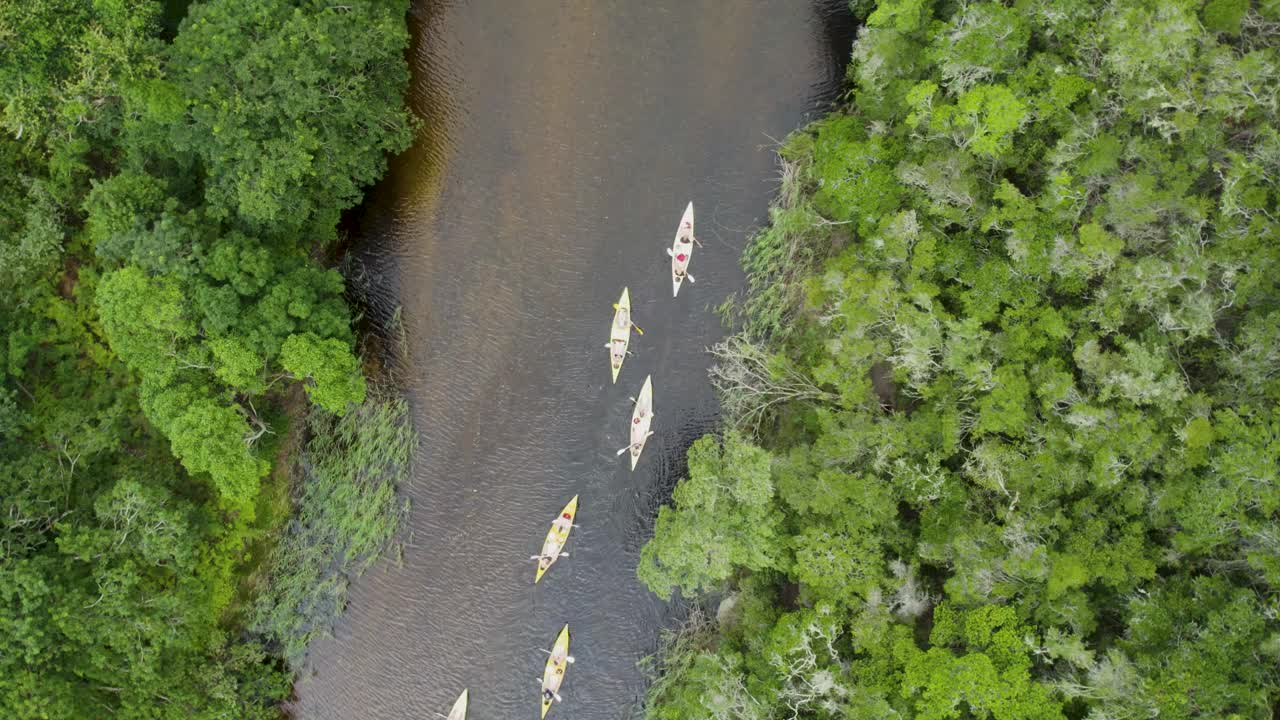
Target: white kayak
<point>619,333</point>
<point>681,251</point>
<point>641,417</point>
<point>459,711</point>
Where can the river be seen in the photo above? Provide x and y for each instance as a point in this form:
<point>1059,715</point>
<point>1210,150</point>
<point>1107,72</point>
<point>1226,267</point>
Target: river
<point>562,142</point>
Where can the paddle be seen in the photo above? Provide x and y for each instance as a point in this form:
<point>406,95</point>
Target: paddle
<point>623,450</point>
<point>566,657</point>
<point>637,328</point>
<point>691,280</point>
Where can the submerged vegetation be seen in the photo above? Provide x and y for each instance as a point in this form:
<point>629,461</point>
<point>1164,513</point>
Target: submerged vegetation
<point>1003,415</point>
<point>348,512</point>
<point>165,199</point>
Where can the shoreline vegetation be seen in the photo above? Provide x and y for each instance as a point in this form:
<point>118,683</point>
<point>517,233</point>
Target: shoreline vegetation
<point>192,462</point>
<point>1001,427</point>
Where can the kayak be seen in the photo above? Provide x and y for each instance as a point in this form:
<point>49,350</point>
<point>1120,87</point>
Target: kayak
<point>682,247</point>
<point>620,333</point>
<point>459,711</point>
<point>641,417</point>
<point>557,536</point>
<point>553,675</point>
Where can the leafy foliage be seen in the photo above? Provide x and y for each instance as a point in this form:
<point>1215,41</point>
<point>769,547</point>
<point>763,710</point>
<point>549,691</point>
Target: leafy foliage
<point>1028,470</point>
<point>145,313</point>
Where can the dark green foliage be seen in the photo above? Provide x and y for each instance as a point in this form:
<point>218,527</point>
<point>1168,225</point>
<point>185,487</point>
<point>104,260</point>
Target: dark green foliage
<point>147,313</point>
<point>1021,417</point>
<point>290,127</point>
<point>347,513</point>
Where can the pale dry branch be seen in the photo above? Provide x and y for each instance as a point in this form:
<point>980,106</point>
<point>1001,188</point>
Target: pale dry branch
<point>751,382</point>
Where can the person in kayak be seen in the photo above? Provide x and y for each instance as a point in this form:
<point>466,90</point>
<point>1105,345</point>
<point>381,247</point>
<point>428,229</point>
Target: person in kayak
<point>637,446</point>
<point>619,350</point>
<point>680,268</point>
<point>548,694</point>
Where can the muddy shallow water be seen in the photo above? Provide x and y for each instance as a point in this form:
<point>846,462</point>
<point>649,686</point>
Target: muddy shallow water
<point>564,140</point>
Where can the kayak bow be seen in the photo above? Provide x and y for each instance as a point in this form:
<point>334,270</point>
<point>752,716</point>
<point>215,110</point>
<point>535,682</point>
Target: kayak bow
<point>459,711</point>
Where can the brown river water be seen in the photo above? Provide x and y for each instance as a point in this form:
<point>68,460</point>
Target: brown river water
<point>562,142</point>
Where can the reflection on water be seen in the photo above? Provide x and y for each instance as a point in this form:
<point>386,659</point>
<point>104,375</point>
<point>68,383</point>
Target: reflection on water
<point>564,142</point>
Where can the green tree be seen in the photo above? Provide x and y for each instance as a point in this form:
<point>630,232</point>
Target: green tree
<point>1010,343</point>
<point>725,520</point>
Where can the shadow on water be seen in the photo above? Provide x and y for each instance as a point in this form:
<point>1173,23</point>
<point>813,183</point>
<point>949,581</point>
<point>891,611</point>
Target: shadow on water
<point>560,143</point>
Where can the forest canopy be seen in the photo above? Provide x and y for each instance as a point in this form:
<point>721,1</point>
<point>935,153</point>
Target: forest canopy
<point>1003,428</point>
<point>167,192</point>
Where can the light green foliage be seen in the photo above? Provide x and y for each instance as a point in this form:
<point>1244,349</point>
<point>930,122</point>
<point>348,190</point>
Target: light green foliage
<point>145,320</point>
<point>724,519</point>
<point>334,376</point>
<point>980,41</point>
<point>989,676</point>
<point>982,120</point>
<point>1032,471</point>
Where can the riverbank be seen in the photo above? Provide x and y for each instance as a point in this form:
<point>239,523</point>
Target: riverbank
<point>1001,385</point>
<point>168,333</point>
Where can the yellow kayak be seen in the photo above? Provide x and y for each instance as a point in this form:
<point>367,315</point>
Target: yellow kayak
<point>620,333</point>
<point>459,711</point>
<point>556,537</point>
<point>557,663</point>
